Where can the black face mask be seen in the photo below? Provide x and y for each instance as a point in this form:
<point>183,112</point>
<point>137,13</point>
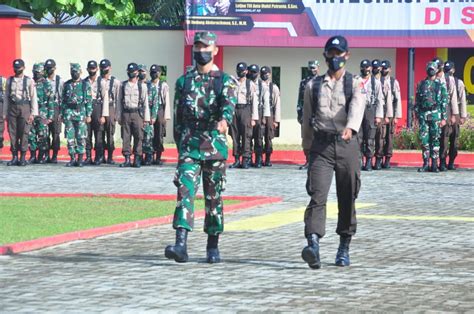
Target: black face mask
<point>50,71</point>
<point>37,76</point>
<point>252,76</point>
<point>92,73</point>
<point>203,57</point>
<point>375,71</point>
<point>364,72</point>
<point>241,74</point>
<point>265,77</point>
<point>431,72</point>
<point>384,72</point>
<point>75,76</point>
<point>18,71</point>
<point>131,75</point>
<point>104,72</point>
<point>154,75</point>
<point>336,63</point>
<point>141,76</point>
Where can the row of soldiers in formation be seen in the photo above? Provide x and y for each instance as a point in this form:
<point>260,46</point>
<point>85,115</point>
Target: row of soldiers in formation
<point>89,108</point>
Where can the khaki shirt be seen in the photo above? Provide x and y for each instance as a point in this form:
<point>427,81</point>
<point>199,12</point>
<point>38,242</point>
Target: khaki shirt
<point>263,97</point>
<point>242,95</point>
<point>379,101</point>
<point>112,99</point>
<point>276,101</point>
<point>17,90</point>
<point>462,99</point>
<point>331,113</point>
<point>103,91</point>
<point>58,95</point>
<point>165,98</point>
<point>130,99</point>
<point>389,97</point>
<point>452,108</point>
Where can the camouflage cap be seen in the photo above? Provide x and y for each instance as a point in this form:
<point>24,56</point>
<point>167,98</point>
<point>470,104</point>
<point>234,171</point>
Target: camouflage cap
<point>207,38</point>
<point>439,62</point>
<point>313,64</point>
<point>142,67</point>
<point>432,65</point>
<point>75,67</point>
<point>38,67</point>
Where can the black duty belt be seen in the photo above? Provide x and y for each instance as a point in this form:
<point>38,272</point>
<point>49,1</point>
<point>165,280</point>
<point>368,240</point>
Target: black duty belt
<point>327,137</point>
<point>130,110</point>
<point>242,106</point>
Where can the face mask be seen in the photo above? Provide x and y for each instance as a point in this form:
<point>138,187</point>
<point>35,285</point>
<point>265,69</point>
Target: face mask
<point>50,71</point>
<point>131,75</point>
<point>376,71</point>
<point>104,72</point>
<point>252,76</point>
<point>241,74</point>
<point>154,75</point>
<point>203,57</point>
<point>336,63</point>
<point>141,76</point>
<point>431,72</point>
<point>384,72</point>
<point>92,73</point>
<point>18,71</point>
<point>75,76</point>
<point>265,77</point>
<point>37,76</point>
<point>364,72</point>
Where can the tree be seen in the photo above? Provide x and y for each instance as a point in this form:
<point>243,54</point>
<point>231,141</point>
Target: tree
<point>164,12</point>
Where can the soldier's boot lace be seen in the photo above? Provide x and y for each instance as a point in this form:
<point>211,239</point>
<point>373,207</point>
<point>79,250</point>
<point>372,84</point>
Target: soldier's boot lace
<point>386,164</point>
<point>434,165</point>
<point>88,160</point>
<point>425,167</point>
<point>246,163</point>
<point>268,161</point>
<point>378,163</point>
<point>22,162</point>
<point>80,160</point>
<point>33,159</point>
<point>236,163</point>
<point>137,161</point>
<point>148,159</point>
<point>442,164</point>
<point>368,164</point>
<point>110,157</point>
<point>212,250</point>
<point>126,163</point>
<point>451,164</point>
<point>342,256</point>
<point>178,252</point>
<point>71,162</point>
<point>310,253</point>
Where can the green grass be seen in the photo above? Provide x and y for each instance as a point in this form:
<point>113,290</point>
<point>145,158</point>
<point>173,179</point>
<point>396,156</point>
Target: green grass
<point>470,110</point>
<point>24,218</point>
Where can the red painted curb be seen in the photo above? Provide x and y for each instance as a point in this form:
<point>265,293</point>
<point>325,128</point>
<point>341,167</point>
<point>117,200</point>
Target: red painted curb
<point>14,248</point>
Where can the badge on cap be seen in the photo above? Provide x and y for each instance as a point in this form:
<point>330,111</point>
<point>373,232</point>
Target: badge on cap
<point>336,41</point>
<point>130,66</point>
<point>17,62</point>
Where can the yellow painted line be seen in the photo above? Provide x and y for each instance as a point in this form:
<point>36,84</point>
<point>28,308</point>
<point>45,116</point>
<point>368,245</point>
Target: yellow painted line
<point>425,218</point>
<point>281,218</point>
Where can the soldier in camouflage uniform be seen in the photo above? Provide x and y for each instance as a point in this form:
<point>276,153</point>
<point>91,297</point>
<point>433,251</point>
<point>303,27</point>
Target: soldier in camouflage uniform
<point>204,107</point>
<point>2,117</point>
<point>163,111</point>
<point>430,109</point>
<point>76,111</point>
<point>147,145</point>
<point>39,133</point>
<point>313,67</point>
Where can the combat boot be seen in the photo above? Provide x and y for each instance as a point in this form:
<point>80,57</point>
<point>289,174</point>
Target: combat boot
<point>126,163</point>
<point>71,162</point>
<point>14,160</point>
<point>158,160</point>
<point>310,253</point>
<point>386,164</point>
<point>268,162</point>
<point>451,164</point>
<point>33,159</point>
<point>22,162</point>
<point>42,157</point>
<point>342,256</point>
<point>236,163</point>
<point>304,167</point>
<point>378,163</point>
<point>54,158</point>
<point>88,160</point>
<point>368,164</point>
<point>442,164</point>
<point>80,160</point>
<point>246,163</point>
<point>178,252</point>
<point>137,161</point>
<point>148,159</point>
<point>258,161</point>
<point>425,166</point>
<point>110,157</point>
<point>98,158</point>
<point>434,165</point>
<point>212,249</point>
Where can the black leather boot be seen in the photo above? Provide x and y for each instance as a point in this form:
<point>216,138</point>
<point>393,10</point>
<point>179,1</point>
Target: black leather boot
<point>434,165</point>
<point>98,158</point>
<point>304,167</point>
<point>71,162</point>
<point>246,163</point>
<point>451,164</point>
<point>14,160</point>
<point>22,162</point>
<point>54,158</point>
<point>137,161</point>
<point>386,164</point>
<point>148,159</point>
<point>126,163</point>
<point>310,254</point>
<point>42,157</point>
<point>88,159</point>
<point>158,160</point>
<point>110,157</point>
<point>378,163</point>
<point>425,166</point>
<point>442,164</point>
<point>268,161</point>
<point>342,256</point>
<point>33,159</point>
<point>258,161</point>
<point>178,252</point>
<point>236,163</point>
<point>212,249</point>
<point>80,160</point>
<point>368,164</point>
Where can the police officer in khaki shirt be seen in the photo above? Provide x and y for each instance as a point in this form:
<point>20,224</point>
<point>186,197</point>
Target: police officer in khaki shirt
<point>454,131</point>
<point>132,113</point>
<point>20,107</point>
<point>112,85</point>
<point>245,118</point>
<point>332,115</point>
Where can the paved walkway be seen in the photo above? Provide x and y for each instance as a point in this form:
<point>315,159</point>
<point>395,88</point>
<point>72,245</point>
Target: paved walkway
<point>413,250</point>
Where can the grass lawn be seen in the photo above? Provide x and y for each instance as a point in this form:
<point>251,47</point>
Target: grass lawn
<point>470,109</point>
<point>25,218</point>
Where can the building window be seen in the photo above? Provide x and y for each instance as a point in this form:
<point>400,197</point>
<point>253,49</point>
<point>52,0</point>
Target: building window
<point>276,72</point>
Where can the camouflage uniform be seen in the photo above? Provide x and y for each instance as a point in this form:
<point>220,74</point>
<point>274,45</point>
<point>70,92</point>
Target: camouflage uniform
<point>147,145</point>
<point>75,107</point>
<point>199,106</point>
<point>430,108</point>
<point>39,133</point>
<point>2,122</point>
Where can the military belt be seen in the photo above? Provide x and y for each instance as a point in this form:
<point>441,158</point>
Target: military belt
<point>20,102</point>
<point>327,137</point>
<point>242,106</point>
<point>130,110</point>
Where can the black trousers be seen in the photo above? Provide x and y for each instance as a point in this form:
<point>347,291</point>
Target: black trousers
<point>449,141</point>
<point>241,131</point>
<point>2,125</point>
<point>326,158</point>
<point>95,129</point>
<point>159,130</point>
<point>132,125</point>
<point>384,139</point>
<point>18,127</point>
<point>258,133</point>
<point>367,132</point>
<point>109,130</point>
<point>55,131</point>
<point>269,135</point>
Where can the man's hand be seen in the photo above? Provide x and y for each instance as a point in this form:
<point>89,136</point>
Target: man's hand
<point>395,120</point>
<point>347,134</point>
<point>275,125</point>
<point>378,121</point>
<point>88,120</point>
<point>453,119</point>
<point>152,121</point>
<point>387,120</point>
<point>222,126</point>
<point>102,120</point>
<point>49,121</point>
<point>30,119</point>
<point>442,123</point>
<point>462,120</point>
<point>253,123</point>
